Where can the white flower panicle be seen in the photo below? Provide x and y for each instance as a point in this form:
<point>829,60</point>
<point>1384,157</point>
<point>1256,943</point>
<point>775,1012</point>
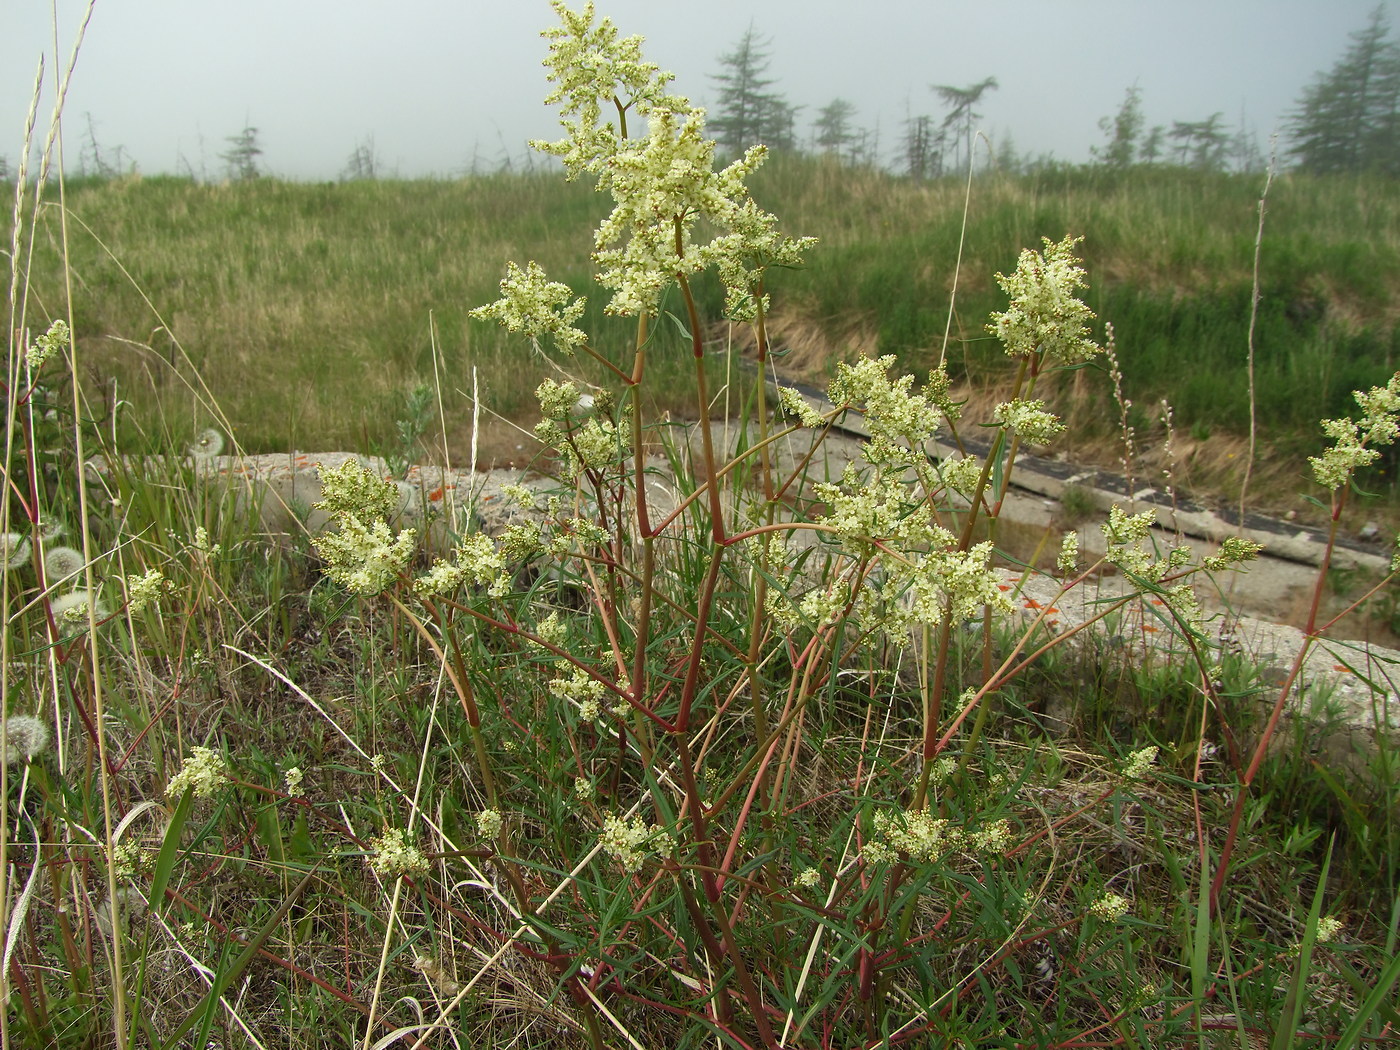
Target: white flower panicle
<point>1139,763</point>
<point>535,306</point>
<point>625,841</point>
<point>1068,560</point>
<point>393,854</point>
<point>1354,442</point>
<point>203,773</point>
<point>54,341</point>
<point>1029,420</point>
<point>142,591</point>
<point>894,414</point>
<point>489,823</point>
<point>365,559</point>
<point>663,184</point>
<point>1044,316</point>
<point>1233,551</point>
<point>592,68</point>
<point>363,555</point>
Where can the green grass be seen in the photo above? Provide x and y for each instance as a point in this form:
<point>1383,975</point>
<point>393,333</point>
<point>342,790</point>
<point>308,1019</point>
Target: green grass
<point>871,793</point>
<point>307,307</point>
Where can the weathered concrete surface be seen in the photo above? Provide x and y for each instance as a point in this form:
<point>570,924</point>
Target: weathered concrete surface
<point>1257,609</point>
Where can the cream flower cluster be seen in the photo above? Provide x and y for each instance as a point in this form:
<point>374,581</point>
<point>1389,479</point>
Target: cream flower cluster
<point>1029,420</point>
<point>663,184</point>
<point>45,346</point>
<point>894,414</point>
<point>363,555</point>
<point>919,836</point>
<point>535,306</point>
<point>393,854</point>
<point>625,841</point>
<point>1044,316</point>
<point>1354,443</point>
<point>203,773</point>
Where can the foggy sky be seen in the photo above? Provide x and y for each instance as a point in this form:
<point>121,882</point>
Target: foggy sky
<point>437,83</point>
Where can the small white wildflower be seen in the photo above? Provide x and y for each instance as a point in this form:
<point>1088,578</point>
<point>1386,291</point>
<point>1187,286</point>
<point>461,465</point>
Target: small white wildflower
<point>808,879</point>
<point>25,737</point>
<point>292,780</point>
<point>127,859</point>
<point>583,789</point>
<point>1068,560</point>
<point>141,591</point>
<point>489,823</point>
<point>376,763</point>
<point>1029,420</point>
<point>14,550</point>
<point>203,772</point>
<point>1140,762</point>
<point>625,840</point>
<point>1044,316</point>
<point>1109,908</point>
<point>1327,928</point>
<point>45,346</point>
<point>794,404</point>
<point>394,854</point>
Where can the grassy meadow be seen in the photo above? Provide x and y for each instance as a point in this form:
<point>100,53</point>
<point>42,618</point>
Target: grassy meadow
<point>312,310</point>
<point>718,754</point>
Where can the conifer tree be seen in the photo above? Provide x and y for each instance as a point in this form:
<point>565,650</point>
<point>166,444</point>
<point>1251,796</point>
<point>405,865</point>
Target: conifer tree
<point>1348,119</point>
<point>745,111</point>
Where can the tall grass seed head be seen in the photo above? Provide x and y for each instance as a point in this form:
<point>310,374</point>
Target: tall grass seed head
<point>1044,316</point>
<point>393,854</point>
<point>25,738</point>
<point>203,772</point>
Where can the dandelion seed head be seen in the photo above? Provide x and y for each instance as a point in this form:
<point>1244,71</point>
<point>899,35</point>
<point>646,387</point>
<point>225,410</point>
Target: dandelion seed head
<point>25,738</point>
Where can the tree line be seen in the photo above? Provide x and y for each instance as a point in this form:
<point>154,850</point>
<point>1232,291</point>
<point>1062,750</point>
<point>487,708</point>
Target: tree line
<point>1346,121</point>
